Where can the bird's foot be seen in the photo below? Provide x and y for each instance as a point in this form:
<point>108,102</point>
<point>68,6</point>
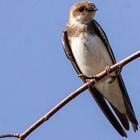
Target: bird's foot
<point>86,77</point>
<point>107,68</point>
<point>112,78</point>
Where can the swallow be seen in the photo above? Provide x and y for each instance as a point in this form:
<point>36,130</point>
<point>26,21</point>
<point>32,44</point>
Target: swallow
<point>87,47</point>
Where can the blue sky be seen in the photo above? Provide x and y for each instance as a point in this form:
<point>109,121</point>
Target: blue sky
<point>35,74</point>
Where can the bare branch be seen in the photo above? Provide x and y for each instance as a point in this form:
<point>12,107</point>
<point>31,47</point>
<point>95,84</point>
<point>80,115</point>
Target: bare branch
<point>9,135</point>
<point>74,94</point>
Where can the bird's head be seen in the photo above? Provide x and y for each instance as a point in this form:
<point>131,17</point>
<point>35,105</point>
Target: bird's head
<point>82,12</point>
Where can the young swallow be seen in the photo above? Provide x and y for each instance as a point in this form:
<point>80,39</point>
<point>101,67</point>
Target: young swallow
<point>86,45</point>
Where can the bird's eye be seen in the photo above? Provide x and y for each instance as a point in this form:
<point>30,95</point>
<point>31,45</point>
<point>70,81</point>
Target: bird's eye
<point>81,9</point>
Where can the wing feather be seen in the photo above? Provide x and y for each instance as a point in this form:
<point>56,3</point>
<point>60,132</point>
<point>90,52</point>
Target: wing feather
<point>130,111</point>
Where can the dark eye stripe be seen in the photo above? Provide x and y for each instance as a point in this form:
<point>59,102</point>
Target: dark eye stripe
<point>81,9</point>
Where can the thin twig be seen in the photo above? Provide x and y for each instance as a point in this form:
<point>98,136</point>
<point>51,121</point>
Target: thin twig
<point>9,135</point>
<point>74,94</point>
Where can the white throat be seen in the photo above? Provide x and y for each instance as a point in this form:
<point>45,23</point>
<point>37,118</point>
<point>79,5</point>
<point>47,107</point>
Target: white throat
<point>77,21</point>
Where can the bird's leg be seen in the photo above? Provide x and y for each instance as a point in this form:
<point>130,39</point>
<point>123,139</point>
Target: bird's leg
<point>107,68</point>
<point>112,77</point>
<point>87,78</point>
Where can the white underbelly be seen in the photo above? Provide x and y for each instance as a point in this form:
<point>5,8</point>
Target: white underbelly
<point>92,57</point>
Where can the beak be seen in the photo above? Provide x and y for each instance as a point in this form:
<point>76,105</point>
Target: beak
<point>92,9</point>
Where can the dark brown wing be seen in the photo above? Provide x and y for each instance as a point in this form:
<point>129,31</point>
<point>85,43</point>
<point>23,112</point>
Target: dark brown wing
<point>94,92</point>
<point>129,108</point>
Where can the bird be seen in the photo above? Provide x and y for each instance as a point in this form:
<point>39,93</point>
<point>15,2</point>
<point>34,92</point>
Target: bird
<point>87,47</point>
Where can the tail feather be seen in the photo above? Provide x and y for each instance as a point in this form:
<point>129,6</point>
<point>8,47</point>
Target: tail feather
<point>107,111</point>
<point>129,108</point>
<point>122,117</point>
<point>131,117</point>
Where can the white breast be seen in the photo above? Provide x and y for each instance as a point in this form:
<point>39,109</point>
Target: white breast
<point>92,57</point>
<point>90,54</point>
